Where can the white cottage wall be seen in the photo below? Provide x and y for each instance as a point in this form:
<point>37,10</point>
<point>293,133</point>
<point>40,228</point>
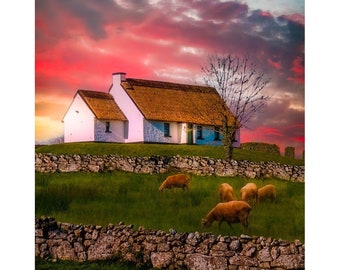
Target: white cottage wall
<point>182,132</point>
<point>115,134</point>
<point>154,132</point>
<point>135,129</point>
<point>78,122</point>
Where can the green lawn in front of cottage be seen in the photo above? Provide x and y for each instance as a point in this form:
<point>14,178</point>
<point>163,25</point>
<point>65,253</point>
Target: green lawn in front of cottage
<point>169,150</point>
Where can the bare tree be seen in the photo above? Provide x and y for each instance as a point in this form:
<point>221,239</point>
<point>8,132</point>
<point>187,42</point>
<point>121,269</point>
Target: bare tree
<point>240,87</point>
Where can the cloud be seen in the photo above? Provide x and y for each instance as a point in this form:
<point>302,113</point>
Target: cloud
<point>298,70</point>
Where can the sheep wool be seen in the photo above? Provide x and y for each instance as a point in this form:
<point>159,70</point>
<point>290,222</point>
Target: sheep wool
<point>266,192</point>
<point>226,192</point>
<point>230,212</point>
<point>176,181</point>
<point>248,193</point>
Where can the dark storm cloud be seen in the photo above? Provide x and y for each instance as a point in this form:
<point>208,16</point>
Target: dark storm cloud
<point>259,34</point>
<point>232,27</point>
<point>60,17</point>
<point>277,39</point>
<point>216,10</point>
<point>91,13</point>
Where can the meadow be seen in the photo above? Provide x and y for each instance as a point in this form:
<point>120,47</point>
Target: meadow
<point>103,198</point>
<point>100,199</point>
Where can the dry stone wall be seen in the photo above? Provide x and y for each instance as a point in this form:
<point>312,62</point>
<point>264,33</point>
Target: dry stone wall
<point>48,163</point>
<point>159,249</point>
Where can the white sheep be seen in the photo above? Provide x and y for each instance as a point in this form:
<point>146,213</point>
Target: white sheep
<point>176,181</point>
<point>230,212</point>
<point>226,192</point>
<point>248,193</point>
<point>266,192</point>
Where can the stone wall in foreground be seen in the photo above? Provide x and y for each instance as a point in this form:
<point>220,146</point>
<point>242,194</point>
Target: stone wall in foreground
<point>159,249</point>
<point>48,163</point>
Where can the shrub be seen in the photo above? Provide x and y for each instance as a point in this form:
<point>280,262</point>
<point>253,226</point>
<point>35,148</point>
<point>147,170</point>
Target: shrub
<point>261,147</point>
<point>290,152</point>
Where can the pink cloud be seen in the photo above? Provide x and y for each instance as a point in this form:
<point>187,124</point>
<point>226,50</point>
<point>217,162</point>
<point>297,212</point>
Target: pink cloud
<point>298,70</point>
<point>266,14</point>
<point>296,17</point>
<point>276,65</point>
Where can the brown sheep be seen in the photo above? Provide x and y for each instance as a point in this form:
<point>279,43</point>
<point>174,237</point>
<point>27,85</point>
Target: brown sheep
<point>249,193</point>
<point>266,192</point>
<point>226,192</point>
<point>173,181</point>
<point>230,212</point>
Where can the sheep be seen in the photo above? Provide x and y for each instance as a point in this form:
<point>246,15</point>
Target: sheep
<point>230,212</point>
<point>226,192</point>
<point>173,181</point>
<point>248,193</point>
<point>266,192</point>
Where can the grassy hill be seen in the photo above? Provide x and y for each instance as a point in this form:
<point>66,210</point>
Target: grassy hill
<point>112,197</point>
<point>141,149</point>
<point>105,198</point>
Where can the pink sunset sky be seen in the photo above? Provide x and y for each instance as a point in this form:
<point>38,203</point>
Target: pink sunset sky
<point>79,44</point>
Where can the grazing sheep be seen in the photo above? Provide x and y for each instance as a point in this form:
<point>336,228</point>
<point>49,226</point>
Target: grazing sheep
<point>226,192</point>
<point>249,193</point>
<point>173,181</point>
<point>266,192</point>
<point>230,212</point>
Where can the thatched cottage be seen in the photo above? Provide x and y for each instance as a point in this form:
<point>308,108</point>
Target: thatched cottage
<point>136,110</point>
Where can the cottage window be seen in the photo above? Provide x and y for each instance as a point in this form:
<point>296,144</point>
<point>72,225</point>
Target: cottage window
<point>107,127</point>
<point>126,130</point>
<point>167,130</point>
<point>199,133</point>
<point>217,134</point>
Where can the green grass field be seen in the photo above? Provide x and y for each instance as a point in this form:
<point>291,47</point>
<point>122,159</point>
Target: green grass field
<point>105,198</point>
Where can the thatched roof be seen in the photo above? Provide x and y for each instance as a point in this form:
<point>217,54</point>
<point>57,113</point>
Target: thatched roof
<point>102,105</point>
<point>173,102</point>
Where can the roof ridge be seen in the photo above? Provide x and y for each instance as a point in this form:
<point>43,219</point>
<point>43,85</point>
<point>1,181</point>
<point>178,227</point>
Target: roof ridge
<point>90,90</point>
<point>172,85</point>
<point>94,94</point>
